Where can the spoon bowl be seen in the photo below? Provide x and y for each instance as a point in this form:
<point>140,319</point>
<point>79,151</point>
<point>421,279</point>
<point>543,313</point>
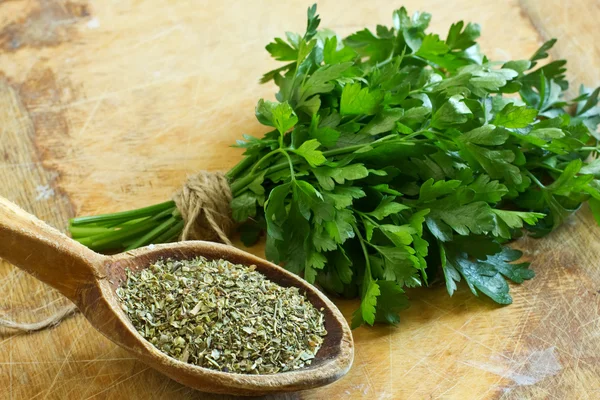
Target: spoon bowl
<point>90,279</point>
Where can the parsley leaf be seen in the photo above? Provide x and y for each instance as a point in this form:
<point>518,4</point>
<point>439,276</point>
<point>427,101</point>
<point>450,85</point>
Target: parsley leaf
<point>513,116</point>
<point>309,152</point>
<point>366,312</point>
<point>358,100</point>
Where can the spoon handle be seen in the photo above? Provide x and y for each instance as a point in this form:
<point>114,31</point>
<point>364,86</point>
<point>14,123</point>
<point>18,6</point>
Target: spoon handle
<point>44,252</point>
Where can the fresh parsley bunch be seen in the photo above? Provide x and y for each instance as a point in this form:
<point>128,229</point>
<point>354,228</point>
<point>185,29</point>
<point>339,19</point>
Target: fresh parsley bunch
<point>398,157</point>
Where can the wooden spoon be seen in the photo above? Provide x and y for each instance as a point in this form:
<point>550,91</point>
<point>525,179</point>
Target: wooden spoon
<point>89,280</point>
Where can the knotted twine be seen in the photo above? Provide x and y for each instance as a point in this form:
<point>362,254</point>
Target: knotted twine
<point>204,205</point>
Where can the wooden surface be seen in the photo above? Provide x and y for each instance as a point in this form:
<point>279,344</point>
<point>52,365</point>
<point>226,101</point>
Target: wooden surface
<point>107,105</point>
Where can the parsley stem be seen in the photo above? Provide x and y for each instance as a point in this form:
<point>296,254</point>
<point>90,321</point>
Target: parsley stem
<point>291,163</point>
<point>115,238</point>
<point>545,166</point>
<point>356,118</point>
<point>265,157</point>
<point>364,248</point>
<point>352,149</point>
<point>486,114</point>
<point>171,234</point>
<point>154,233</point>
<point>387,60</point>
<point>239,168</point>
<point>365,216</point>
<point>535,180</point>
<point>125,215</point>
<point>240,185</point>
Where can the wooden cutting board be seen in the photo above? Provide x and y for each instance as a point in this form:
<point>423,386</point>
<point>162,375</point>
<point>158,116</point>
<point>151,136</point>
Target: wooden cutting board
<point>108,105</point>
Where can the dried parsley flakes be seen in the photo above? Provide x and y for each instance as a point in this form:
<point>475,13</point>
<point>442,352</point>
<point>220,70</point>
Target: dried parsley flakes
<point>222,316</point>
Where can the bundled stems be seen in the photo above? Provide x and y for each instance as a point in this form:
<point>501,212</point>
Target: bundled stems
<point>162,223</point>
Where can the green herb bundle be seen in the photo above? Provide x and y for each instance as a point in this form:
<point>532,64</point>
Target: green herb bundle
<point>399,157</point>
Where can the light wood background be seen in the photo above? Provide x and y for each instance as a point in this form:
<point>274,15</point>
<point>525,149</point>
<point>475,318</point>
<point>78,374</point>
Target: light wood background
<point>107,105</point>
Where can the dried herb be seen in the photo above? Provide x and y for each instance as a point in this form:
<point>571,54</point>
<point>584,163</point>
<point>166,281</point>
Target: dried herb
<point>222,316</point>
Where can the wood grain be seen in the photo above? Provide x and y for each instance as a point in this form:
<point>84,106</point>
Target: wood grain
<point>109,105</point>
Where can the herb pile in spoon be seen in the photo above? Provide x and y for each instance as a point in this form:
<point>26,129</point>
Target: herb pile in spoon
<point>397,157</point>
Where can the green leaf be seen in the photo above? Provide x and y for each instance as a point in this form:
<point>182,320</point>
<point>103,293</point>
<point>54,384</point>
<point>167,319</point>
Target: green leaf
<point>282,51</point>
<point>547,134</point>
<point>385,188</point>
<point>279,115</point>
<point>403,273</point>
<point>487,190</point>
<point>431,190</point>
<point>452,112</point>
<point>515,219</point>
<point>485,79</point>
<point>541,53</point>
<point>476,217</point>
<point>479,247</point>
<point>284,117</point>
<point>486,135</point>
<point>512,116</point>
<point>591,102</point>
<point>275,212</point>
<point>358,100</point>
<point>519,66</point>
<point>591,168</point>
<point>264,112</point>
<point>368,45</point>
<point>502,262</point>
<point>309,199</point>
<point>309,152</point>
<point>432,46</point>
<point>506,220</point>
<point>320,80</point>
<point>315,261</point>
<point>334,53</point>
<point>399,235</point>
<point>396,255</point>
<point>487,275</point>
<point>244,206</point>
<point>595,206</point>
<point>343,196</point>
<point>459,39</point>
<point>321,239</point>
<point>384,121</point>
<point>390,302</point>
<point>328,137</point>
<point>387,207</point>
<point>568,181</point>
<point>497,163</point>
<point>312,22</point>
<point>342,265</point>
<point>327,175</point>
<point>294,247</point>
<point>483,277</point>
<point>416,115</point>
<point>250,232</point>
<point>452,277</point>
<point>340,229</point>
<point>366,311</point>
